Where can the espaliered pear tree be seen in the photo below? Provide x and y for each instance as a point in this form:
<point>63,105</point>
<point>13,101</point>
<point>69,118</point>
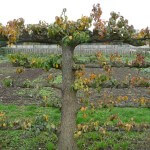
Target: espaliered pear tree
<point>68,34</point>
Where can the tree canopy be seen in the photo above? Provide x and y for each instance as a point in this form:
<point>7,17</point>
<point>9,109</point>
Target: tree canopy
<point>67,32</point>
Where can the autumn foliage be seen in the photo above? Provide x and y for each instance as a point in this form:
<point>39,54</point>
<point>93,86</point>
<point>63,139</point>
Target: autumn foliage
<point>68,32</point>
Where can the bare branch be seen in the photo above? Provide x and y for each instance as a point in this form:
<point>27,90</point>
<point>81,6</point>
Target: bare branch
<point>147,64</point>
<point>93,66</point>
<point>52,85</point>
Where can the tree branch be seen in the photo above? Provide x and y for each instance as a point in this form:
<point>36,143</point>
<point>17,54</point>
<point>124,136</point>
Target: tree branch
<point>93,66</point>
<point>52,85</point>
<point>131,41</point>
<point>147,64</point>
<point>45,40</point>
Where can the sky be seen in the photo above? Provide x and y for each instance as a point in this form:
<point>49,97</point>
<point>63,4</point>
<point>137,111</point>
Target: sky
<point>136,11</point>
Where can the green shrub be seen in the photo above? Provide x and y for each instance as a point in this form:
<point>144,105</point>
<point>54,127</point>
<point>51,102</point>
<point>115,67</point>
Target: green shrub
<point>27,83</point>
<point>19,59</point>
<point>7,82</point>
<point>53,61</point>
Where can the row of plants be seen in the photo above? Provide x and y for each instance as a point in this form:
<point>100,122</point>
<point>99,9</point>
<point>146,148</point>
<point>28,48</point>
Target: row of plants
<point>54,60</point>
<point>93,81</point>
<point>97,128</point>
<point>131,82</point>
<point>103,127</point>
<point>84,83</point>
<point>47,96</point>
<point>44,122</point>
<point>20,59</point>
<point>39,123</point>
<point>116,60</point>
<point>31,127</point>
<point>123,101</point>
<point>105,80</point>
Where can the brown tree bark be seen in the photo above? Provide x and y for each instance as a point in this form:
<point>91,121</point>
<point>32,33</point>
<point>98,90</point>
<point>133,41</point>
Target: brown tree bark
<point>69,103</point>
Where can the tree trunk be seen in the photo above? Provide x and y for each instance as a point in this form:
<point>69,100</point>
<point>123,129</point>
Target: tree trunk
<point>69,103</point>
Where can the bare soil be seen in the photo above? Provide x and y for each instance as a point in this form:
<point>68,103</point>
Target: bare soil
<point>10,94</point>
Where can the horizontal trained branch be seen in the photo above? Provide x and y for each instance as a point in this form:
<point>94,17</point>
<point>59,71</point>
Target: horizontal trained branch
<point>52,85</point>
<point>117,65</point>
<point>138,128</point>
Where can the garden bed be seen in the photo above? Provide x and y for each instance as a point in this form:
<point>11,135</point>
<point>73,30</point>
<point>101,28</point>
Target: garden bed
<point>31,110</point>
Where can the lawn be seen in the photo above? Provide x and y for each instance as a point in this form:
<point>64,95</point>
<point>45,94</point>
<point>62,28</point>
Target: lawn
<point>93,139</point>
